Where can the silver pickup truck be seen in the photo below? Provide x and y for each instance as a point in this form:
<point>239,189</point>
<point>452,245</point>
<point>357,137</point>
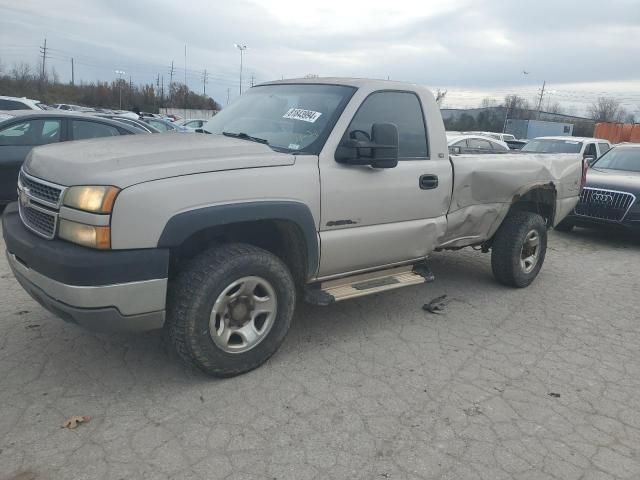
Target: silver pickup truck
<point>318,190</point>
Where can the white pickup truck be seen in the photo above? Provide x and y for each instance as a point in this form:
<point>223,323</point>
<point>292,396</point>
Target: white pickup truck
<point>315,189</point>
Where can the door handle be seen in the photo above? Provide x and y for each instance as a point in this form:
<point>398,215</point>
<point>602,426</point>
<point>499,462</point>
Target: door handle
<point>428,182</point>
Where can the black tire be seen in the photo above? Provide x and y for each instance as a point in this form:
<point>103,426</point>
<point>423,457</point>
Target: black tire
<point>507,250</point>
<point>195,290</point>
<point>564,226</point>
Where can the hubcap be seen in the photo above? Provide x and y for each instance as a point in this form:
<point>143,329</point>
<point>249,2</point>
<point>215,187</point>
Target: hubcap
<point>530,251</point>
<point>243,314</point>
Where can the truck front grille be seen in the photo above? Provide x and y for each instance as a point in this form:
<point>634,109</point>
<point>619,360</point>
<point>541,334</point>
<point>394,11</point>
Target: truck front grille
<point>40,190</point>
<point>38,204</point>
<point>39,220</point>
<point>603,204</point>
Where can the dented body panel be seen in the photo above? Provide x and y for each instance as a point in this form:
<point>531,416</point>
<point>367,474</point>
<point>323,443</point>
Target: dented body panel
<point>485,187</point>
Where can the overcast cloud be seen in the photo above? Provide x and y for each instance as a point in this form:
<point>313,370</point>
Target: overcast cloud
<point>472,48</point>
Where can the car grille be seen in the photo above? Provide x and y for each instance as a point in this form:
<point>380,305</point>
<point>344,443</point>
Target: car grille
<point>38,203</point>
<point>604,204</point>
<point>39,220</point>
<point>40,190</point>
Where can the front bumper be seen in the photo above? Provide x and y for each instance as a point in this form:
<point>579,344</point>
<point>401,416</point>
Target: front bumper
<point>630,223</point>
<point>102,290</point>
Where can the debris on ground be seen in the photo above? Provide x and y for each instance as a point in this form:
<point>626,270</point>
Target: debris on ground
<point>554,395</point>
<point>436,305</point>
<point>73,422</point>
<point>22,312</point>
<point>33,325</point>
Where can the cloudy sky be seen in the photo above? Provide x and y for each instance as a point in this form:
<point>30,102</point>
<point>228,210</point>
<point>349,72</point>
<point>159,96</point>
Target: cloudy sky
<point>472,48</point>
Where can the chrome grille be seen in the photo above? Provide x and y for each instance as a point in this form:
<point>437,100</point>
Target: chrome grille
<point>604,204</point>
<point>41,190</point>
<point>39,220</point>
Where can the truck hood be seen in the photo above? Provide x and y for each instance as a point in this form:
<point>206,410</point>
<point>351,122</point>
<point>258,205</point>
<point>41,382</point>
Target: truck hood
<point>127,160</point>
<point>619,180</point>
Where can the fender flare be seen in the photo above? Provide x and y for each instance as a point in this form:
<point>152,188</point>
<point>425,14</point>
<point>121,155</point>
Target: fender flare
<point>182,225</point>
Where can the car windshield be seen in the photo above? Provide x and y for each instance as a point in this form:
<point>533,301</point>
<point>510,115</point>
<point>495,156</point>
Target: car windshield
<point>545,145</point>
<point>620,158</point>
<point>508,137</point>
<point>292,118</point>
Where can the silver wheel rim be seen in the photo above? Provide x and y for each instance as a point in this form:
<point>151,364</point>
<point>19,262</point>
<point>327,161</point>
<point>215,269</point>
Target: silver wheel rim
<point>243,314</point>
<point>530,251</point>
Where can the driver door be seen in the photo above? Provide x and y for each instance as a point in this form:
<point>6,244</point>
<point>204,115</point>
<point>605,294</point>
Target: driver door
<point>373,217</point>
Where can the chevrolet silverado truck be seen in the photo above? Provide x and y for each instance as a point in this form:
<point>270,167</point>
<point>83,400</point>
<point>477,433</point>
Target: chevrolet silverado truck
<point>318,189</point>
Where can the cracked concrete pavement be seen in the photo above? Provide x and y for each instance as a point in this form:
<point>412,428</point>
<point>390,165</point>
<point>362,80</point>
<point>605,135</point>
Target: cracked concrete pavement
<point>540,383</point>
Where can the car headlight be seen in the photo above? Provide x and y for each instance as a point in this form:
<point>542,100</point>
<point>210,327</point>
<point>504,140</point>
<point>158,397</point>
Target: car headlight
<point>95,199</point>
<point>86,235</point>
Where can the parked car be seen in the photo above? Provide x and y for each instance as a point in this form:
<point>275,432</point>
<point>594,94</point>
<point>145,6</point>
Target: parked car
<point>589,148</point>
<point>329,189</point>
<point>191,124</point>
<point>163,125</point>
<point>516,144</point>
<point>72,108</point>
<point>24,129</point>
<point>463,144</point>
<point>146,127</point>
<point>612,192</point>
<point>22,103</point>
<point>503,137</point>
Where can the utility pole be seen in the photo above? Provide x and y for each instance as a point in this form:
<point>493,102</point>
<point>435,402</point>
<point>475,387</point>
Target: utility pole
<point>252,79</point>
<point>72,73</point>
<point>120,74</point>
<point>171,72</point>
<point>228,91</point>
<point>544,83</point>
<point>242,48</point>
<point>43,52</point>
<point>162,90</point>
<point>205,77</point>
<point>186,93</point>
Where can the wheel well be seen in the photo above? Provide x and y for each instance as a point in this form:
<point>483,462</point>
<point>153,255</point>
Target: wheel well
<point>541,200</point>
<point>282,238</point>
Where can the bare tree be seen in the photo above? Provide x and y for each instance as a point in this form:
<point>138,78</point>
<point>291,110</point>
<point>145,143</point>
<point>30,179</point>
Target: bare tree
<point>516,106</point>
<point>21,72</point>
<point>555,108</point>
<point>488,102</point>
<point>440,95</point>
<point>606,109</point>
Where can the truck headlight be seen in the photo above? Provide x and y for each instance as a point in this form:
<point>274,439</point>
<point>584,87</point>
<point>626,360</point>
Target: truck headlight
<point>86,235</point>
<point>95,199</point>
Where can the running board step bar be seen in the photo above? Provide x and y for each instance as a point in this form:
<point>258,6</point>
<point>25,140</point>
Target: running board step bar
<point>355,286</point>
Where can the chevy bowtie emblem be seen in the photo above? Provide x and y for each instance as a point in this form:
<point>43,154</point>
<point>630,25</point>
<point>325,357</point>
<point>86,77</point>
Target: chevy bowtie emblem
<point>25,201</point>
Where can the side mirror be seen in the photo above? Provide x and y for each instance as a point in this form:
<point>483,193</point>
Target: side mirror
<point>380,152</point>
<point>589,159</point>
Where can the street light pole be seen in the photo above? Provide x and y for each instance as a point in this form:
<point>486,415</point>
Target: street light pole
<point>120,74</point>
<point>242,48</point>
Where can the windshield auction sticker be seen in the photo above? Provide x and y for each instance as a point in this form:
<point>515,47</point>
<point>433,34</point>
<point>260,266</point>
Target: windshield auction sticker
<point>301,114</point>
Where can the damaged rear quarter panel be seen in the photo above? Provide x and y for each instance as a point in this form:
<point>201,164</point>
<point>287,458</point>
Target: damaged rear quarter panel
<point>485,186</point>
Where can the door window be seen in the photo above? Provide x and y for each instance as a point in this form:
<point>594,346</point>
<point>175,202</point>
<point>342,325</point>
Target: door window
<point>31,133</point>
<point>498,148</point>
<point>479,144</point>
<point>83,130</point>
<point>604,148</point>
<point>12,105</point>
<point>404,111</point>
<point>590,150</point>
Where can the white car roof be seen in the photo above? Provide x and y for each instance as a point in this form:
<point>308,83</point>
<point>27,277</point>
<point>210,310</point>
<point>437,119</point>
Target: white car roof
<point>574,139</point>
<point>457,137</point>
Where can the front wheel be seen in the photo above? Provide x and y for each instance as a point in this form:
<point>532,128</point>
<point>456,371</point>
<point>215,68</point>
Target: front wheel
<point>230,309</point>
<point>519,249</point>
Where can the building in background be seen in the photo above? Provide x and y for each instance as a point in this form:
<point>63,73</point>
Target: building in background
<point>537,128</point>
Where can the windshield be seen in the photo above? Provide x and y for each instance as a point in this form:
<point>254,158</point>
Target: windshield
<point>508,137</point>
<point>620,158</point>
<point>295,118</point>
<point>540,145</point>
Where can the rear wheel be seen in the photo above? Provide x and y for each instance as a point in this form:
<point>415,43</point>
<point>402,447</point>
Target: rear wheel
<point>230,309</point>
<point>519,249</point>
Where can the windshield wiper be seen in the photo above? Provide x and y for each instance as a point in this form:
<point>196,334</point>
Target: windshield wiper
<point>244,136</point>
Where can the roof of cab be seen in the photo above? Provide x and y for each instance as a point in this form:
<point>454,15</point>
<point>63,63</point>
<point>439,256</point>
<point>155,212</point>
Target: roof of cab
<point>573,139</point>
<point>346,81</point>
